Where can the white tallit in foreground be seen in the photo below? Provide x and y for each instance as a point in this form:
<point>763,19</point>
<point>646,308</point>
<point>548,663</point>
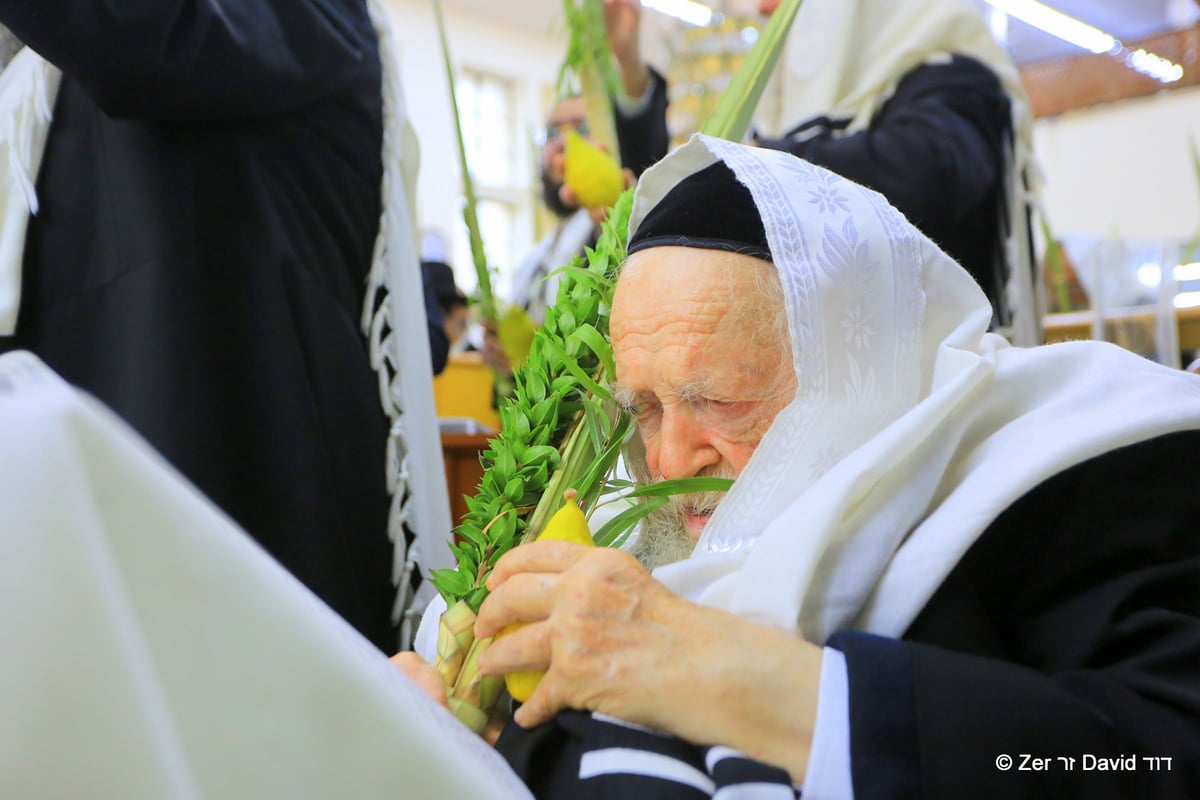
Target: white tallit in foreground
<point>153,650</point>
<point>912,428</point>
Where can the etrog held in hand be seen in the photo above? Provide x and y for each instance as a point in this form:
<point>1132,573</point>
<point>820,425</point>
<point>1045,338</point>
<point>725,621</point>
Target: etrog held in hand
<point>568,525</point>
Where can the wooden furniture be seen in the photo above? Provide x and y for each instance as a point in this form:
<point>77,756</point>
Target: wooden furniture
<point>460,452</point>
<point>1078,324</point>
<point>463,395</point>
<point>464,389</point>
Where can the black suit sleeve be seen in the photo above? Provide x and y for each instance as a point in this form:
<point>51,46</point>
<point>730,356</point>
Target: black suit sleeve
<point>1070,629</point>
<point>198,59</point>
<point>643,136</point>
<point>934,149</point>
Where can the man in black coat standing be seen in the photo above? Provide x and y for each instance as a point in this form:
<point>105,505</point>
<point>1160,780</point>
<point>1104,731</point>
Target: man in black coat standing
<point>207,211</point>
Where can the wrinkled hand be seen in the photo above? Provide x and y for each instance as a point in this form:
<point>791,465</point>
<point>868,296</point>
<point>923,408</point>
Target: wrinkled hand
<point>613,639</point>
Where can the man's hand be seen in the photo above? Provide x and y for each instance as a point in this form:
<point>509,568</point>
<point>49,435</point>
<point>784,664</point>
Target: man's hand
<point>613,639</point>
<point>422,673</point>
<point>427,679</point>
<point>623,19</point>
<point>493,352</point>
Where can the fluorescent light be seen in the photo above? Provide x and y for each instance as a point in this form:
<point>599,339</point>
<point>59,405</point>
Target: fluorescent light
<point>1057,24</point>
<point>1161,69</point>
<point>686,10</point>
<point>1080,34</point>
<point>1188,272</point>
<point>1187,300</point>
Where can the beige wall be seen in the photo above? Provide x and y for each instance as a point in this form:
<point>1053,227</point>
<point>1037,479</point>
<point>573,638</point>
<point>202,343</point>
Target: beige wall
<point>1123,169</point>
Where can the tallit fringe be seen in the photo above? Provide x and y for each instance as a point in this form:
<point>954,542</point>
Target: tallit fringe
<point>1026,294</point>
<point>28,86</point>
<point>379,328</point>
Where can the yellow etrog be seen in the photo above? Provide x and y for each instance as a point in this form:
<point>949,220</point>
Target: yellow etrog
<point>568,525</point>
<point>591,173</point>
<point>515,330</point>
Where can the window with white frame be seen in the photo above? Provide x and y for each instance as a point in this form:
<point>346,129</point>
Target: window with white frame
<point>497,155</point>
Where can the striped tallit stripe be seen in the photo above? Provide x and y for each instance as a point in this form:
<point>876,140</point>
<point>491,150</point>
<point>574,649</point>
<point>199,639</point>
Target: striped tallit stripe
<point>626,761</point>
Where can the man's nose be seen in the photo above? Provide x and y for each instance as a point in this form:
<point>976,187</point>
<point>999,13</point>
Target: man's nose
<point>685,445</point>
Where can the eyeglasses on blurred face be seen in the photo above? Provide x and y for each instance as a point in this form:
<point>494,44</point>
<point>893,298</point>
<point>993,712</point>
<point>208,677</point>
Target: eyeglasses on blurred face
<point>557,129</point>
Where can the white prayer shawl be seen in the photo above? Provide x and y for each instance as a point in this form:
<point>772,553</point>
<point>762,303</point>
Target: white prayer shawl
<point>154,650</point>
<point>399,341</point>
<point>535,284</point>
<point>28,87</point>
<point>844,58</point>
<point>912,427</point>
<point>397,327</point>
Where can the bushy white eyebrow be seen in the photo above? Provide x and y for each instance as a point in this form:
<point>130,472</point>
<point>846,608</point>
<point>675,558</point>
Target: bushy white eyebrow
<point>627,398</point>
<point>695,390</point>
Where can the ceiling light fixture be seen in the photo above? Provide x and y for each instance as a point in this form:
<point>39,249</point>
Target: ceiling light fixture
<point>1080,34</point>
<point>1057,24</point>
<point>686,10</point>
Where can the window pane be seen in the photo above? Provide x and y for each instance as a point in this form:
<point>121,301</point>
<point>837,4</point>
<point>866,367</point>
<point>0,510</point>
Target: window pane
<point>497,221</point>
<point>487,109</point>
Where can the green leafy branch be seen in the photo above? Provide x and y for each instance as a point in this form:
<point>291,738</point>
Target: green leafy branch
<point>589,66</point>
<point>561,428</point>
<point>487,302</point>
<point>560,398</point>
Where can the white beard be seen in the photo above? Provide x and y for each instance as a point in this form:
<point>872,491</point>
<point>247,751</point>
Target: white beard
<point>663,536</point>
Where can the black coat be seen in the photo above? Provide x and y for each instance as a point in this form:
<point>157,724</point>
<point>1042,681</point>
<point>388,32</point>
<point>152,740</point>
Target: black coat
<point>210,197</point>
<point>1070,628</point>
<point>643,137</point>
<point>935,150</point>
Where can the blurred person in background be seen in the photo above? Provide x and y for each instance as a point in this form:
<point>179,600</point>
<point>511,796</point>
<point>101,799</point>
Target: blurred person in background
<point>641,127</point>
<point>917,100</point>
<point>448,310</point>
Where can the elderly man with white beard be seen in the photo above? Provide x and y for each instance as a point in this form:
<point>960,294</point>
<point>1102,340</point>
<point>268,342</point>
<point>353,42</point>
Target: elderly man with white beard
<point>941,554</point>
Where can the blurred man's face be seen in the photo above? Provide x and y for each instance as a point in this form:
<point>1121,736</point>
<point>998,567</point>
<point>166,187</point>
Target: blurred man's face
<point>456,321</point>
<point>566,116</point>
